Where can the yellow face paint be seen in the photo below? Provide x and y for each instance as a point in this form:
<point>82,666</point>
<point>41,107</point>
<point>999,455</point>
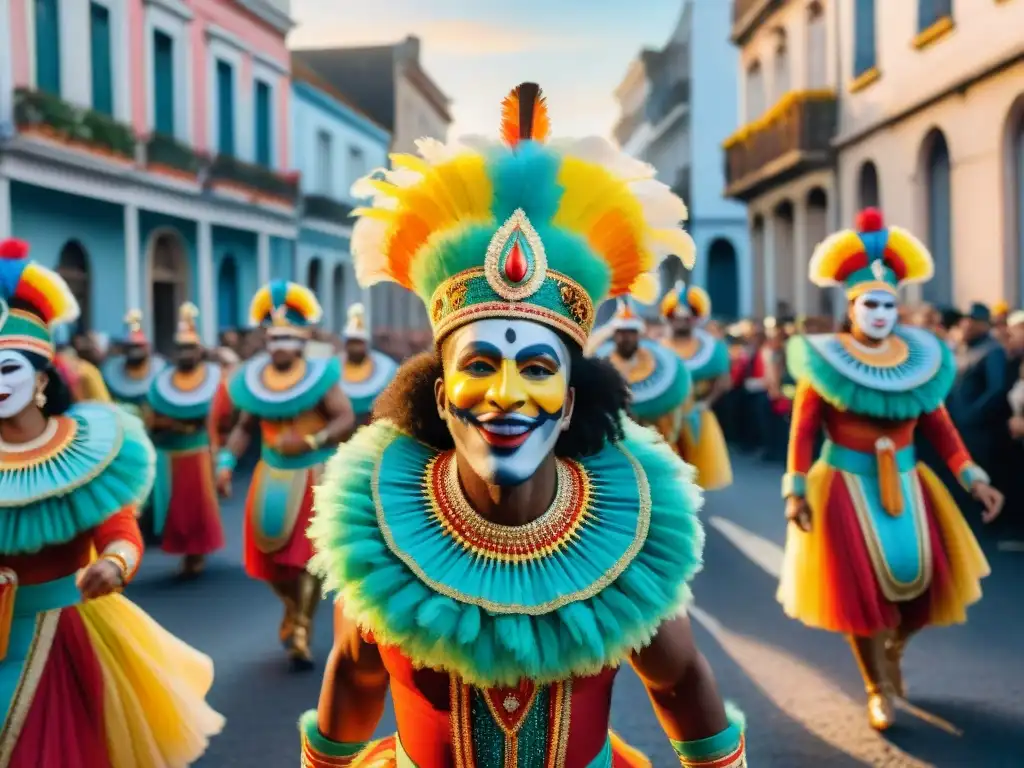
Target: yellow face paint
<point>530,386</point>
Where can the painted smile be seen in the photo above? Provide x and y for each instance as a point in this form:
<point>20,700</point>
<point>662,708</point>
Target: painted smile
<point>503,431</point>
<point>4,397</point>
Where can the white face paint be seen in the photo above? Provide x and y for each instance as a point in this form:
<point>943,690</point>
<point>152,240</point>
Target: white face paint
<point>17,383</point>
<point>506,386</point>
<point>285,344</point>
<point>875,314</point>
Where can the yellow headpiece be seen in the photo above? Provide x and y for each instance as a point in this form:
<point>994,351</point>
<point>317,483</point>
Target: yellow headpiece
<point>289,309</point>
<point>188,333</point>
<point>356,328</point>
<point>692,299</point>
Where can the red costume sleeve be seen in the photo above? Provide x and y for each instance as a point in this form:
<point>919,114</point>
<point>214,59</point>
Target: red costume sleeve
<point>939,430</point>
<point>121,527</point>
<point>805,428</point>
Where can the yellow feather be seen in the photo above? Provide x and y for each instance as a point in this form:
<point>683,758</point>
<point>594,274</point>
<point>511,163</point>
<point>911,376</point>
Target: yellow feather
<point>830,255</point>
<point>646,288</point>
<point>920,266</point>
<point>410,162</point>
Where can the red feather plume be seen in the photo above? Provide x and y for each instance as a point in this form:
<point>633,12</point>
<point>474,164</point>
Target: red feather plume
<point>524,115</point>
<point>13,249</point>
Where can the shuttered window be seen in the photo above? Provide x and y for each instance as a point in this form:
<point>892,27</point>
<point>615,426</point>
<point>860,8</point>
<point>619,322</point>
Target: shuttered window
<point>102,65</point>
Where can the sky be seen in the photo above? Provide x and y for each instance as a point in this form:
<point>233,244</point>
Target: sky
<point>477,50</point>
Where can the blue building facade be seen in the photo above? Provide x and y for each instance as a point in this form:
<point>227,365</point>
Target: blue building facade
<point>334,145</point>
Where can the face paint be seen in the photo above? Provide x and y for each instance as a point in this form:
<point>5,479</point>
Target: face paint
<point>17,383</point>
<point>506,385</point>
<point>874,314</point>
<point>284,344</point>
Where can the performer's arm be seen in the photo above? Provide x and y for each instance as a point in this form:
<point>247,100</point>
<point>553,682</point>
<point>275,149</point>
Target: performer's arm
<point>352,698</point>
<point>118,541</point>
<point>719,387</point>
<point>686,700</point>
<point>808,407</point>
<point>939,430</point>
<point>236,446</point>
<point>341,419</point>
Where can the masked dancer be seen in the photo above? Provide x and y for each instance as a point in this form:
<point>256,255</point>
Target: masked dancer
<point>301,414</point>
<point>86,678</point>
<point>659,382</point>
<point>365,371</point>
<point>185,508</point>
<point>502,538</point>
<point>877,548</point>
<point>129,376</point>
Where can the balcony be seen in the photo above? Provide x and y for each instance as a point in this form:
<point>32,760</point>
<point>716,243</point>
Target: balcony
<point>627,126</point>
<point>256,182</point>
<point>792,138</point>
<point>50,117</point>
<point>748,15</point>
<point>326,208</point>
<point>168,156</point>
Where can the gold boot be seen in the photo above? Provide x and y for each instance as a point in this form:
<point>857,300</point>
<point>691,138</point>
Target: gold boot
<point>869,653</point>
<point>286,592</point>
<point>894,647</point>
<point>308,598</point>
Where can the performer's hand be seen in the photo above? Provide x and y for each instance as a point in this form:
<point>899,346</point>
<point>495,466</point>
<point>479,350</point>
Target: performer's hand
<point>99,579</point>
<point>1016,426</point>
<point>291,444</point>
<point>798,512</point>
<point>990,498</point>
<point>224,483</point>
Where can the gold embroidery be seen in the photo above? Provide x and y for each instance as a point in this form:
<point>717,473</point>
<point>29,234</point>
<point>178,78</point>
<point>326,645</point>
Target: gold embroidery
<point>515,224</point>
<point>578,303</point>
<point>31,674</point>
<point>558,748</point>
<point>455,296</point>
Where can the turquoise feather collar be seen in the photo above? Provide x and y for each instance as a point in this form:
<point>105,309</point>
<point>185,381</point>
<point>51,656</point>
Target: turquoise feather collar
<point>711,359</point>
<point>97,461</point>
<point>661,392</point>
<point>167,399</point>
<point>126,389</point>
<point>362,394</point>
<point>250,394</point>
<point>419,572</point>
<point>917,385</point>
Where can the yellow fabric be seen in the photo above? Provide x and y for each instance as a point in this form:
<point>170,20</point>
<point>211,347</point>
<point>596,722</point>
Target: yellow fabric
<point>91,384</point>
<point>967,563</point>
<point>709,455</point>
<point>155,686</point>
<point>802,592</point>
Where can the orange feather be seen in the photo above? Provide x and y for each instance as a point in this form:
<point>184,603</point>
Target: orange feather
<point>512,113</point>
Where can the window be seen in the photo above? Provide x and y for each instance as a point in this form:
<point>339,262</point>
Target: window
<point>356,164</point>
<point>264,155</point>
<point>324,164</point>
<point>225,109</point>
<point>781,79</point>
<point>864,37</point>
<point>817,55</point>
<point>48,46</point>
<point>931,11</point>
<point>102,66</point>
<point>163,83</point>
<point>755,100</point>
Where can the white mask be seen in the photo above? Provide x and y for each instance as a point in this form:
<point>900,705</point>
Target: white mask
<point>285,344</point>
<point>875,314</point>
<point>17,383</point>
<point>506,385</point>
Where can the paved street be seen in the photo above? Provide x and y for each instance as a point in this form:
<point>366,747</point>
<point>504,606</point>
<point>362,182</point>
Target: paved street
<point>799,688</point>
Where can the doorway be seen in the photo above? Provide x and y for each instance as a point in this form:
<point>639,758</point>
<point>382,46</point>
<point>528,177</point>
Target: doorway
<point>168,287</point>
<point>73,266</point>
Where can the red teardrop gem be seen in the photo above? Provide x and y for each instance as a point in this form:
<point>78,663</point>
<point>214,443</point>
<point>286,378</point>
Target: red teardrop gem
<point>515,264</point>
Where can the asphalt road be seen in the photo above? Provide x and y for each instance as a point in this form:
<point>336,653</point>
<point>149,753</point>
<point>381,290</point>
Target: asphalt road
<point>799,687</point>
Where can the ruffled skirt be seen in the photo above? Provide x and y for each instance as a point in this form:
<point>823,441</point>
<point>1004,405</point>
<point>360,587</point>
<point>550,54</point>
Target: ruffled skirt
<point>278,510</point>
<point>191,523</point>
<point>100,685</point>
<point>705,448</point>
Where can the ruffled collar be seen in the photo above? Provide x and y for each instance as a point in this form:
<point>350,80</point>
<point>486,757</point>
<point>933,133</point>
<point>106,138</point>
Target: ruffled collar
<point>909,375</point>
<point>709,358</point>
<point>364,392</point>
<point>249,391</point>
<point>88,465</point>
<point>166,397</point>
<point>658,384</point>
<point>125,388</point>
<point>570,594</point>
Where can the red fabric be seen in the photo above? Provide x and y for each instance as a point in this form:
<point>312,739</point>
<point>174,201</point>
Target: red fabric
<point>286,563</point>
<point>193,524</point>
<point>804,429</point>
<point>860,607</point>
<point>738,369</point>
<point>591,708</point>
<point>938,429</point>
<point>222,414</point>
<point>64,726</point>
<point>52,563</point>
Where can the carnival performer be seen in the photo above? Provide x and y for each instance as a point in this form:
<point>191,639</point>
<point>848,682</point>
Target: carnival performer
<point>659,382</point>
<point>84,378</point>
<point>86,678</point>
<point>877,548</point>
<point>701,442</point>
<point>365,371</point>
<point>129,376</point>
<point>301,412</point>
<point>502,538</point>
<point>185,508</point>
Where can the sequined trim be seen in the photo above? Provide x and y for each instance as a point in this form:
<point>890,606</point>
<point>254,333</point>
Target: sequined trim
<point>735,759</point>
<point>561,715</point>
<point>537,266</point>
<point>535,540</point>
<point>27,344</point>
<point>461,722</point>
<point>31,674</point>
<point>640,536</point>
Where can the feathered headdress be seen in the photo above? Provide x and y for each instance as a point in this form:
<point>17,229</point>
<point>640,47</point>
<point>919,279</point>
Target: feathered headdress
<point>356,328</point>
<point>692,299</point>
<point>133,321</point>
<point>33,299</point>
<point>626,318</point>
<point>287,308</point>
<point>517,228</point>
<point>188,332</point>
<point>871,257</point>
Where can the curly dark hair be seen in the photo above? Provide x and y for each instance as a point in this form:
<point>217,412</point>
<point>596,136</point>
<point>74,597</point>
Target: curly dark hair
<point>57,392</point>
<point>601,399</point>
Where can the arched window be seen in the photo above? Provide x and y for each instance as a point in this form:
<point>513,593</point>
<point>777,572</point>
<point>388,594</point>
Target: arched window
<point>931,11</point>
<point>227,294</point>
<point>864,37</point>
<point>817,55</point>
<point>781,81</point>
<point>868,195</point>
<point>313,276</point>
<point>755,97</point>
<point>938,203</point>
<point>73,266</point>
<point>340,304</point>
<point>723,279</point>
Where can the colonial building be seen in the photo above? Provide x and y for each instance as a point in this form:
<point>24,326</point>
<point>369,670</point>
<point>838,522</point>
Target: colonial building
<point>932,127</point>
<point>145,148</point>
<point>388,84</point>
<point>780,161</point>
<point>673,116</point>
<point>333,144</point>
